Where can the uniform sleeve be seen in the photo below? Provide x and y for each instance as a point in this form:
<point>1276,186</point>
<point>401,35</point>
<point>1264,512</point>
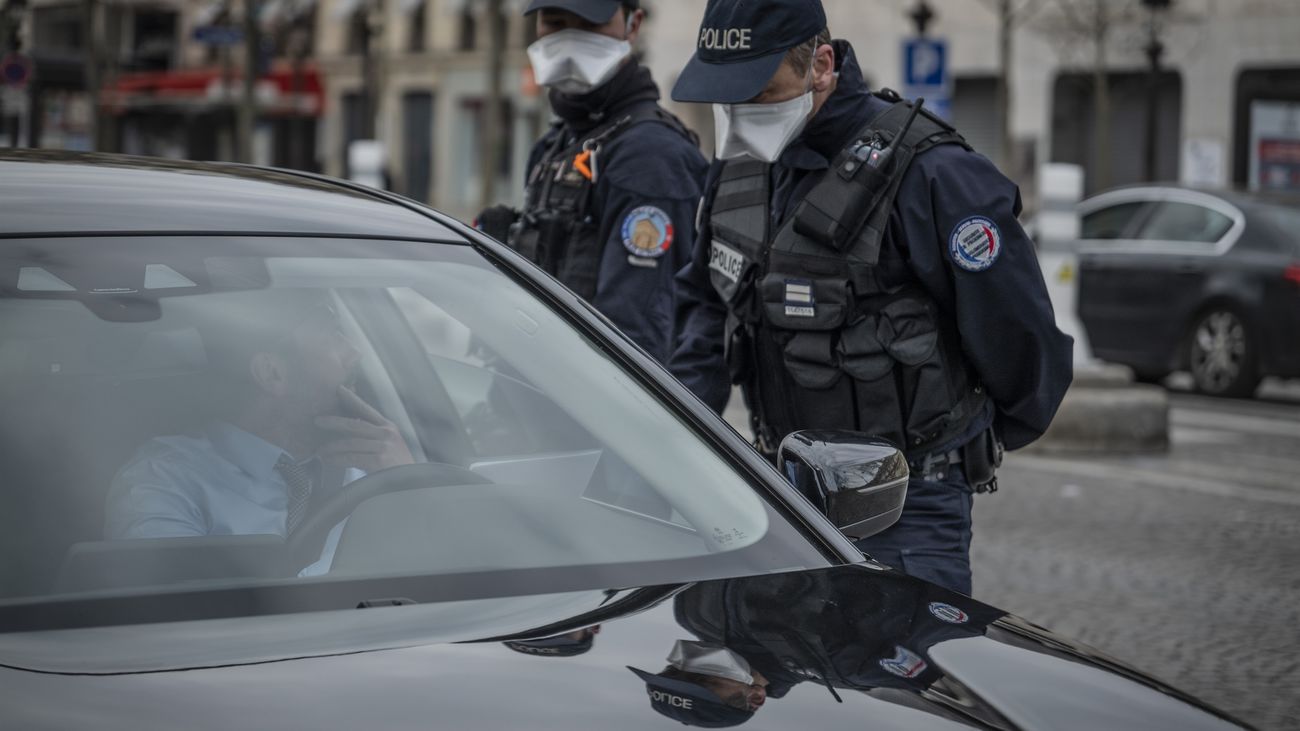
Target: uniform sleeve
<point>648,191</point>
<point>700,318</point>
<point>958,217</point>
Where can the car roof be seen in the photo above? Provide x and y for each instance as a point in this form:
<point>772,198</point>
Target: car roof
<point>45,192</point>
<point>1235,196</point>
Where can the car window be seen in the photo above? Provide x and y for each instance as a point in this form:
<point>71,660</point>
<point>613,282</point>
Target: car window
<point>222,415</point>
<point>1285,221</point>
<point>1174,221</point>
<point>1111,222</point>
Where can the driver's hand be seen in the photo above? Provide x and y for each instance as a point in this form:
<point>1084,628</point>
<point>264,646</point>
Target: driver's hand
<point>362,438</point>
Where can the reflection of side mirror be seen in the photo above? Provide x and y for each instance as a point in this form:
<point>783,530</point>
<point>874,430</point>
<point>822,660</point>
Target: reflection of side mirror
<point>857,481</point>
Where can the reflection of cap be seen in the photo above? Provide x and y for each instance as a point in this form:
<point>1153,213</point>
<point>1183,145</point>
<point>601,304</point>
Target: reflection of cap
<point>740,47</point>
<point>558,646</point>
<point>592,11</point>
<point>690,703</point>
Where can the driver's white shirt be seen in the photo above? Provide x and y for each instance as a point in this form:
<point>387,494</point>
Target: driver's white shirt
<point>220,482</point>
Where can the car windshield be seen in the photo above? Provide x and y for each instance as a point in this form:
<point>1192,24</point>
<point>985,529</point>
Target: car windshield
<point>197,417</point>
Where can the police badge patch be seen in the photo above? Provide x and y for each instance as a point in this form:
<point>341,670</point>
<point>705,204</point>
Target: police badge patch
<point>647,232</point>
<point>975,244</point>
<point>948,613</point>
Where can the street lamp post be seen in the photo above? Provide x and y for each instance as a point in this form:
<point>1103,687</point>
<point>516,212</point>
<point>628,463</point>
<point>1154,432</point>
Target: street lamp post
<point>1155,50</point>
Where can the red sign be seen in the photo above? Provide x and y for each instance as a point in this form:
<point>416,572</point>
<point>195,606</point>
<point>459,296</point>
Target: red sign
<point>1279,164</point>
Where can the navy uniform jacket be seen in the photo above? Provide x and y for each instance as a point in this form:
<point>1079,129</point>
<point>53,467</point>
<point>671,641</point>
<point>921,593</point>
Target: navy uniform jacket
<point>649,165</point>
<point>1004,316</point>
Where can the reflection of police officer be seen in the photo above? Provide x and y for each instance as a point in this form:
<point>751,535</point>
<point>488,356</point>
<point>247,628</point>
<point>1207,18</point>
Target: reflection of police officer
<point>569,644</point>
<point>860,267</point>
<point>705,685</point>
<point>837,628</point>
<point>613,186</point>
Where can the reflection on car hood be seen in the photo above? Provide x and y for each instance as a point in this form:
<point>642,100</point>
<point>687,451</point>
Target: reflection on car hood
<point>838,648</point>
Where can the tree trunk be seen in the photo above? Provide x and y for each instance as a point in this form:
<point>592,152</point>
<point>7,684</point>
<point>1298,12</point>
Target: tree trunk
<point>1101,98</point>
<point>248,100</point>
<point>1005,29</point>
<point>491,142</point>
<point>92,21</point>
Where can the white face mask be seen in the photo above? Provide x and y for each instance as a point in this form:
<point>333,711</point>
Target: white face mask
<point>576,61</point>
<point>760,131</point>
<point>697,657</point>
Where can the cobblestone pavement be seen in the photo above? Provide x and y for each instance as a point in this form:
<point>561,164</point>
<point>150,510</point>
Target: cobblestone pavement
<point>1183,565</point>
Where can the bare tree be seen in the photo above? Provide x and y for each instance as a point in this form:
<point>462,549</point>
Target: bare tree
<point>1011,14</point>
<point>1091,26</point>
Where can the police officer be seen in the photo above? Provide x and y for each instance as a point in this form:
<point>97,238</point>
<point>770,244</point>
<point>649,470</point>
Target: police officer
<point>859,266</point>
<point>614,185</point>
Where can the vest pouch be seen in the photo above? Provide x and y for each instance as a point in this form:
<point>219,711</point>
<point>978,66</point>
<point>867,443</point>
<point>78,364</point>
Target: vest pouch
<point>792,302</point>
<point>810,360</point>
<point>908,328</point>
<point>579,263</point>
<point>908,331</point>
<point>836,209</point>
<point>523,238</point>
<point>862,355</point>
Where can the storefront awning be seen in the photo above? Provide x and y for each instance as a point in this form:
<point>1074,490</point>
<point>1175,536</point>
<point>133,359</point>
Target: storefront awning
<point>281,91</point>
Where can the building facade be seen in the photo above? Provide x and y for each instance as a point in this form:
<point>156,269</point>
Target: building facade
<point>1227,97</point>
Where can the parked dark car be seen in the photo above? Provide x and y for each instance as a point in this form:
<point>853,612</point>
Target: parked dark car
<point>573,542</point>
<point>1178,279</point>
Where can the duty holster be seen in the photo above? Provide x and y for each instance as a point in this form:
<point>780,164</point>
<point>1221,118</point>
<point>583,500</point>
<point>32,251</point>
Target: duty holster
<point>980,459</point>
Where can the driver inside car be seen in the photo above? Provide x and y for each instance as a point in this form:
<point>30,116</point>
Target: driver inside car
<point>289,432</point>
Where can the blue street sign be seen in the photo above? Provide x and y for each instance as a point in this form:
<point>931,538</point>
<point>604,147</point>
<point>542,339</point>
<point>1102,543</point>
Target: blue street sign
<point>926,74</point>
<point>218,35</point>
<point>15,70</point>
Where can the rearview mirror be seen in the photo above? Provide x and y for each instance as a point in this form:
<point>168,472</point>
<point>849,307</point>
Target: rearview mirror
<point>857,481</point>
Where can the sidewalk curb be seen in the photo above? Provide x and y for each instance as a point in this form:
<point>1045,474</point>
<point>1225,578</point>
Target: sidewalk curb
<point>1103,414</point>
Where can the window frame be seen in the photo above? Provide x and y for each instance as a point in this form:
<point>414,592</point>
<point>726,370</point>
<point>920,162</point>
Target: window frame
<point>1155,196</point>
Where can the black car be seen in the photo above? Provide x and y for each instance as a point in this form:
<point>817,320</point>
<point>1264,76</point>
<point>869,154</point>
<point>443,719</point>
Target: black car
<point>554,534</point>
<point>1179,279</point>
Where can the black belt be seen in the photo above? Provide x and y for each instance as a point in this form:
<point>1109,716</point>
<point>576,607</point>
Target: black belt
<point>934,466</point>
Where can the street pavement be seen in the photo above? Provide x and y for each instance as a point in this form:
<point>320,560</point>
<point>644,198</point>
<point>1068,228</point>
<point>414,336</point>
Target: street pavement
<point>1185,565</point>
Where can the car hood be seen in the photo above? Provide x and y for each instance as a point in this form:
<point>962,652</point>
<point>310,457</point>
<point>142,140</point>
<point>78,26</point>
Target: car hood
<point>840,647</point>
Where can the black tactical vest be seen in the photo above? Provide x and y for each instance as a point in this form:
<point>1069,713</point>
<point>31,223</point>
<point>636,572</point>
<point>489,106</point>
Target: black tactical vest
<point>827,329</point>
<point>559,227</point>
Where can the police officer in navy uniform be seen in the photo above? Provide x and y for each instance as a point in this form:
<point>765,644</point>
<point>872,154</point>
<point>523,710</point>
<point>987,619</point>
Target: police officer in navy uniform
<point>858,266</point>
<point>614,185</point>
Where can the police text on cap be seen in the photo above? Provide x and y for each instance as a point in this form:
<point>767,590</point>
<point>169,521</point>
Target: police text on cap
<point>726,39</point>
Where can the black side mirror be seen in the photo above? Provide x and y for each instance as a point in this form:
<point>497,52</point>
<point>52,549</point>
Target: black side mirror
<point>857,481</point>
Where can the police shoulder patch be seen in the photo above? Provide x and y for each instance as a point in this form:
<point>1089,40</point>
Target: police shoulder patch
<point>975,244</point>
<point>647,232</point>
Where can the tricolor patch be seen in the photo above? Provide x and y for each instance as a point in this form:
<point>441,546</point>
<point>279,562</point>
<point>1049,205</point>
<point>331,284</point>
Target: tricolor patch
<point>647,232</point>
<point>975,244</point>
<point>904,663</point>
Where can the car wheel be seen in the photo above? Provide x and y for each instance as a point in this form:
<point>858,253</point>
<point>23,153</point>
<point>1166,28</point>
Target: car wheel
<point>1222,354</point>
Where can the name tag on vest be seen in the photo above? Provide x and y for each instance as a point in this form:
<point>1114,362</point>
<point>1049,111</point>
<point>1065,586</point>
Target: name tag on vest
<point>726,261</point>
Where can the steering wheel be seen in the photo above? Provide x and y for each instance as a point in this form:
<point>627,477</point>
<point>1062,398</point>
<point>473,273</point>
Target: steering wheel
<point>305,544</point>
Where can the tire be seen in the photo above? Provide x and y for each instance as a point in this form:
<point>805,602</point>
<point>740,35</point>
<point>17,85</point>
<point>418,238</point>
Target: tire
<point>1222,354</point>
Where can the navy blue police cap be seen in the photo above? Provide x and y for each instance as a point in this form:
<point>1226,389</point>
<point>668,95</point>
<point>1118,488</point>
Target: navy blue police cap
<point>690,703</point>
<point>558,646</point>
<point>592,11</point>
<point>740,47</point>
